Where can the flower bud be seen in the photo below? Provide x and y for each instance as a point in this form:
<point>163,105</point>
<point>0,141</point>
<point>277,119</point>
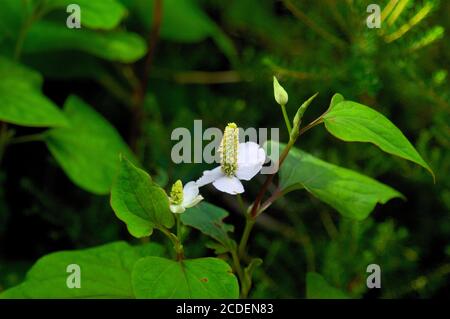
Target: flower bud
<point>280,94</point>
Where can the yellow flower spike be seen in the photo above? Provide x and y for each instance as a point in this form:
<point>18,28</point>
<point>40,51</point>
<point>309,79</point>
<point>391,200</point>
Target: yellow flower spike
<point>176,193</point>
<point>229,149</point>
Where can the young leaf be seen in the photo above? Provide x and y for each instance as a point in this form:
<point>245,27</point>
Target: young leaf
<point>354,122</point>
<point>118,46</point>
<point>155,277</point>
<point>209,220</point>
<point>105,272</point>
<point>336,99</point>
<point>352,194</point>
<point>105,14</point>
<point>318,288</point>
<point>88,150</point>
<point>139,202</point>
<point>21,101</point>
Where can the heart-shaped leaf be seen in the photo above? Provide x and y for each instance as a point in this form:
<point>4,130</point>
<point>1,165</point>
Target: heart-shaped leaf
<point>209,220</point>
<point>139,202</point>
<point>104,272</point>
<point>155,277</point>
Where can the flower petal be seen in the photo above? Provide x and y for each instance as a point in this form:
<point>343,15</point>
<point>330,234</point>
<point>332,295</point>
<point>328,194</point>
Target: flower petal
<point>195,201</point>
<point>210,176</point>
<point>177,209</point>
<point>231,185</point>
<point>251,158</point>
<point>251,153</point>
<point>190,191</point>
<point>247,172</point>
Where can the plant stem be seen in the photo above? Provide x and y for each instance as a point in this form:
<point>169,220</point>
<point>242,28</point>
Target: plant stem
<point>36,14</point>
<point>249,222</point>
<point>286,119</point>
<point>141,89</point>
<point>241,204</point>
<point>256,207</point>
<point>175,241</point>
<point>241,274</point>
<point>179,235</point>
<point>27,138</point>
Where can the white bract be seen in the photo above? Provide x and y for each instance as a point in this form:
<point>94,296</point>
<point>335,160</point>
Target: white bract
<point>184,197</point>
<point>237,162</point>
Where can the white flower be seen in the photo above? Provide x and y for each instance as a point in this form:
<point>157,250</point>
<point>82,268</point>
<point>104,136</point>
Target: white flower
<point>183,197</point>
<point>238,162</point>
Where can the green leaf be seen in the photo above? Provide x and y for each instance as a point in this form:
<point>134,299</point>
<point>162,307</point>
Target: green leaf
<point>155,277</point>
<point>105,272</point>
<point>318,288</point>
<point>336,99</point>
<point>354,122</point>
<point>104,14</point>
<point>11,69</point>
<point>139,202</point>
<point>209,220</point>
<point>22,104</point>
<point>21,101</point>
<point>88,150</point>
<point>118,46</point>
<point>352,194</point>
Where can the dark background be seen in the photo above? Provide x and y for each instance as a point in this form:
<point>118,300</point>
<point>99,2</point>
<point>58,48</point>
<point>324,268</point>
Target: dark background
<point>42,211</point>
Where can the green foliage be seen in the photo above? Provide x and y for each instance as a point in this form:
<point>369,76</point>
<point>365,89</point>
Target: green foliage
<point>318,288</point>
<point>105,14</point>
<point>117,46</point>
<point>209,220</point>
<point>139,202</point>
<point>369,242</point>
<point>155,277</point>
<point>182,21</point>
<point>354,122</point>
<point>21,101</point>
<point>106,272</point>
<point>221,56</point>
<point>88,149</point>
<point>350,193</point>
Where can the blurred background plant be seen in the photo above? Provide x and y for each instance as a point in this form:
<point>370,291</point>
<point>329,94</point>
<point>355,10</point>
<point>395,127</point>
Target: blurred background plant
<point>149,66</point>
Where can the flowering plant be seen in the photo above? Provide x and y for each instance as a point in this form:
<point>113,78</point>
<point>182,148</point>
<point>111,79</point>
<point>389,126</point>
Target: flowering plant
<point>147,271</point>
